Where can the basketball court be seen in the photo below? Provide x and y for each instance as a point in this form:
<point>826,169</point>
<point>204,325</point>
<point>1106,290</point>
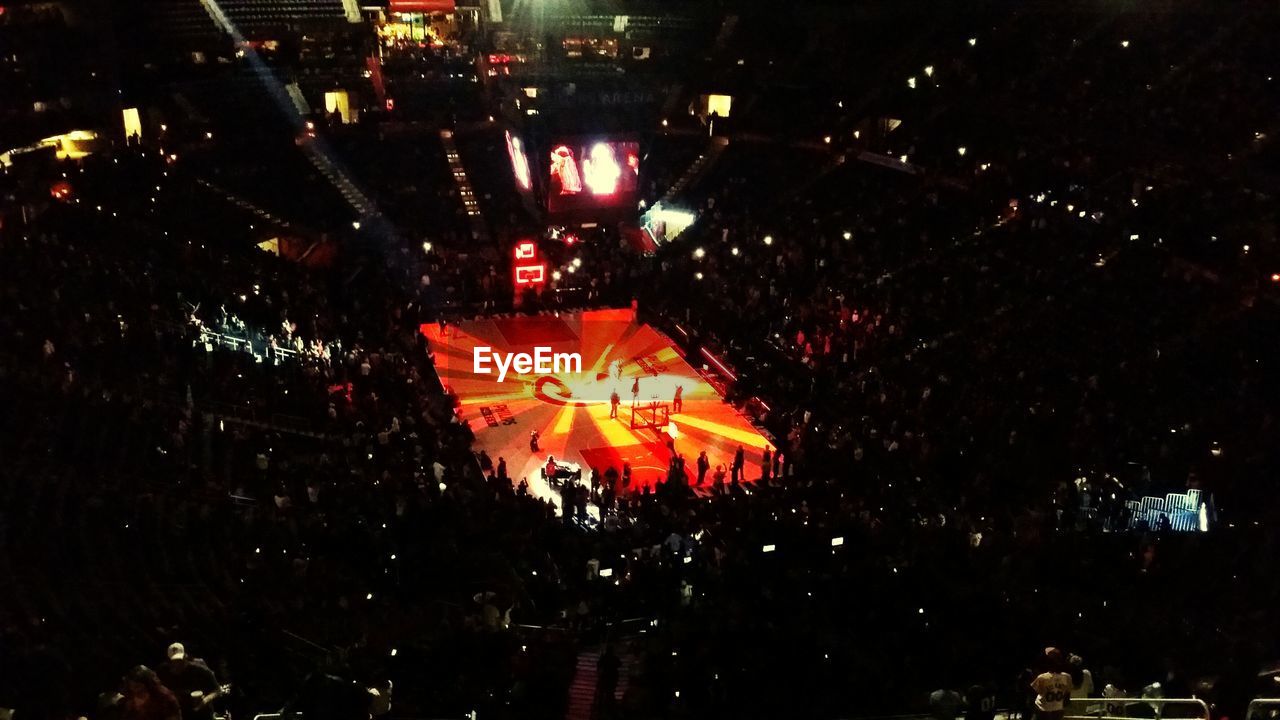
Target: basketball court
<point>571,411</point>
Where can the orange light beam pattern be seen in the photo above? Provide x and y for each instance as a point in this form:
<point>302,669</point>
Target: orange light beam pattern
<point>747,438</point>
<point>616,432</point>
<point>564,420</point>
<point>570,411</point>
<point>522,394</point>
<point>600,360</point>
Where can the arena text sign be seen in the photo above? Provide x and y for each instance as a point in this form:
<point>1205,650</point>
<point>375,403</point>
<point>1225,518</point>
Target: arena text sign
<point>484,361</point>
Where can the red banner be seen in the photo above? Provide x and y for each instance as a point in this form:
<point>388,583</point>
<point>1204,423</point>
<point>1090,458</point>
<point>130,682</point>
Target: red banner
<point>428,6</point>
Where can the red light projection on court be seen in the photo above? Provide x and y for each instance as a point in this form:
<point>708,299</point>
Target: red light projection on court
<point>572,412</point>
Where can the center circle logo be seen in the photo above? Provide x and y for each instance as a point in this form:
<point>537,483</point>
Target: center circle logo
<point>552,390</point>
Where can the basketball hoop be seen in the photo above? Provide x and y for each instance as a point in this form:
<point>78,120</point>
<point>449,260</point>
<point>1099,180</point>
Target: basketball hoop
<point>653,416</point>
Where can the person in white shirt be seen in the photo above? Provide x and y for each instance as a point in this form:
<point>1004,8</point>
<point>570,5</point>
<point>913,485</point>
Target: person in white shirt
<point>1052,687</point>
<point>1081,678</point>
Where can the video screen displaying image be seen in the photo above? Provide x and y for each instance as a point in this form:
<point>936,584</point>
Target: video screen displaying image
<point>519,163</point>
<point>593,174</point>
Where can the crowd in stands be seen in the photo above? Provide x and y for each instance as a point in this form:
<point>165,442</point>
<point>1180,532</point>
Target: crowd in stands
<point>967,368</point>
<point>1044,317</point>
<point>1012,304</point>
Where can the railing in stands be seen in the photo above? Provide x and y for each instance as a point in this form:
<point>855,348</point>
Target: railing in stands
<point>1182,510</point>
<point>299,716</point>
<point>249,415</point>
<point>1118,708</point>
<point>1261,708</point>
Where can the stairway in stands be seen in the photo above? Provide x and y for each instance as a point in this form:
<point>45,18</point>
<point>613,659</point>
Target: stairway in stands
<point>324,161</point>
<point>182,18</point>
<point>626,662</point>
<point>243,204</point>
<point>582,691</point>
<point>298,99</point>
<point>352,8</point>
<point>290,100</point>
<point>699,168</point>
<point>479,230</point>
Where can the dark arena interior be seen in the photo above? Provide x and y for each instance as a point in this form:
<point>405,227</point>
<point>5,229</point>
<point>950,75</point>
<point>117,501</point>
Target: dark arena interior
<point>639,359</point>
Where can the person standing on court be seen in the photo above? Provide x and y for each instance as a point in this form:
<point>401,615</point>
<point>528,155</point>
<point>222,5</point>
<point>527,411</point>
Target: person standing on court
<point>703,466</point>
<point>677,403</point>
<point>739,464</point>
<point>613,404</point>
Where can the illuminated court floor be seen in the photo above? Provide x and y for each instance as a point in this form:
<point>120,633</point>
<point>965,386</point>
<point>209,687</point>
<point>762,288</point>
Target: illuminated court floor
<point>570,410</point>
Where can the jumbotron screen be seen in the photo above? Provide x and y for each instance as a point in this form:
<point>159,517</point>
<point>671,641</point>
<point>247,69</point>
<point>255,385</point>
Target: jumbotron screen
<point>593,173</point>
<point>519,163</point>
